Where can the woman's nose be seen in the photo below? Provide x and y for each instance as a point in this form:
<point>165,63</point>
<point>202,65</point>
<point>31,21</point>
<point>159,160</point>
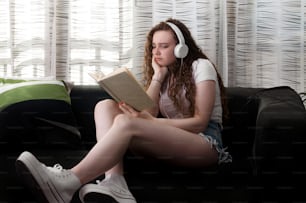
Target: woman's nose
<point>156,51</point>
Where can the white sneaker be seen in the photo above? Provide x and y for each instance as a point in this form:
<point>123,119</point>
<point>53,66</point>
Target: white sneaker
<point>49,184</point>
<point>108,190</point>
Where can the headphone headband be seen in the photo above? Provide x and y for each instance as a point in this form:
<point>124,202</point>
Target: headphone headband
<point>178,32</point>
<point>181,49</point>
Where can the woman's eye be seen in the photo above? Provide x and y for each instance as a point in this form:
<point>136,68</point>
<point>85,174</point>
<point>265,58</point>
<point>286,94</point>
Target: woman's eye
<point>160,46</point>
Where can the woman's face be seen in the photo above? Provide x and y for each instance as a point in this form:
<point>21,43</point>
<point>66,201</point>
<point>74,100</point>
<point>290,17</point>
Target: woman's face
<point>163,45</point>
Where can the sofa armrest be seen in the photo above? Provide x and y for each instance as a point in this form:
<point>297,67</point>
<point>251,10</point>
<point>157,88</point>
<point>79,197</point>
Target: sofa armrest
<point>280,141</point>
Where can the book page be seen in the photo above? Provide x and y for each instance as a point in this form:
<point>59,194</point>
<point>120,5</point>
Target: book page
<point>98,75</point>
<point>122,86</point>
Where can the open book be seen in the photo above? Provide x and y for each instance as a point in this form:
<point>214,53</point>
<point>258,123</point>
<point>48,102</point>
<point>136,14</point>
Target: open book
<point>122,86</point>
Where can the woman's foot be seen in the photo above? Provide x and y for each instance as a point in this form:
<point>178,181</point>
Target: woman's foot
<point>112,189</point>
<point>50,184</point>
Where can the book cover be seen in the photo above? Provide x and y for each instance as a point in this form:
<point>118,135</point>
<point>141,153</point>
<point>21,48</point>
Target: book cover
<point>122,86</point>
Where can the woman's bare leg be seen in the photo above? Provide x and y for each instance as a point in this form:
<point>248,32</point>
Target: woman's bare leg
<point>158,140</point>
<point>105,113</point>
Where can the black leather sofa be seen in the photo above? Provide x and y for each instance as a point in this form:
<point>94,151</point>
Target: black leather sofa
<point>265,134</point>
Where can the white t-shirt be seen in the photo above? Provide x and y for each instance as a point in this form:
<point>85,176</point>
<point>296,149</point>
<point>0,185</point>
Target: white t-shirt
<point>202,70</point>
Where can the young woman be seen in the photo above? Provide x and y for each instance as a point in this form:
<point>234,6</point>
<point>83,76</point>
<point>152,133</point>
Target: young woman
<point>188,93</point>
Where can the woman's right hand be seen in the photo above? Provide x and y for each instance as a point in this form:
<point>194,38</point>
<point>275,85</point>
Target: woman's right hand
<point>160,72</point>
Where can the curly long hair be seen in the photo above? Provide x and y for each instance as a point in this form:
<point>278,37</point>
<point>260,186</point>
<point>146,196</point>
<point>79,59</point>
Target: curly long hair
<point>181,72</point>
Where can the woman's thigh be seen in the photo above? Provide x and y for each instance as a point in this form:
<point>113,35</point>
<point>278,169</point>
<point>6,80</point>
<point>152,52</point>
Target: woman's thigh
<point>172,144</point>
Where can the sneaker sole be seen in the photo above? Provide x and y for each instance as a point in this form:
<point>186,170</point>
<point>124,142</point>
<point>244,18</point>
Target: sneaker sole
<point>98,198</point>
<point>91,193</point>
<point>43,190</point>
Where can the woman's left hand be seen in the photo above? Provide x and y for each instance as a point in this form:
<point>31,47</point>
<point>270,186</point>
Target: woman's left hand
<point>128,110</point>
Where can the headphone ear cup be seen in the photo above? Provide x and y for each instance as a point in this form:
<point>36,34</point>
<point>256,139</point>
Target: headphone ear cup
<point>181,50</point>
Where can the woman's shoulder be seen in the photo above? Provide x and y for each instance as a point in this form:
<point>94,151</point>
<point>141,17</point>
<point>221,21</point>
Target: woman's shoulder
<point>201,62</point>
<point>203,65</point>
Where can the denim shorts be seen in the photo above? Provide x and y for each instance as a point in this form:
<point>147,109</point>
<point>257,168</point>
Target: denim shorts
<point>212,134</point>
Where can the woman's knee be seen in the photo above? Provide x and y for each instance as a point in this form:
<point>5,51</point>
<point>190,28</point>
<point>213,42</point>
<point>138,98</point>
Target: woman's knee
<point>124,122</point>
<point>106,105</point>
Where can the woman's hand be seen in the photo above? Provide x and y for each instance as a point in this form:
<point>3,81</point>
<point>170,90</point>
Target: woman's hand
<point>128,110</point>
<point>159,72</point>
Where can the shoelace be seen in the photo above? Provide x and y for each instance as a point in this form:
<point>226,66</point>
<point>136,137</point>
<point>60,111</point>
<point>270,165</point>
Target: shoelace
<point>107,183</point>
<point>101,182</point>
<point>114,187</point>
<point>59,171</point>
<point>58,167</point>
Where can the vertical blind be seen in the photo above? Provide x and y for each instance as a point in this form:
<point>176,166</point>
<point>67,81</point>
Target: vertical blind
<point>64,39</point>
<point>100,36</point>
<point>253,43</point>
<point>266,43</point>
<point>22,37</point>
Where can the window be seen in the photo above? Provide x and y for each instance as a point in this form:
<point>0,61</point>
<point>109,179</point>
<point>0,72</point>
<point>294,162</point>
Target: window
<point>22,38</point>
<point>65,39</point>
<point>100,37</point>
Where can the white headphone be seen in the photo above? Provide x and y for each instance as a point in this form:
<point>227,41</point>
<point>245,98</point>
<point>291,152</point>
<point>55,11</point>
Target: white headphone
<point>181,49</point>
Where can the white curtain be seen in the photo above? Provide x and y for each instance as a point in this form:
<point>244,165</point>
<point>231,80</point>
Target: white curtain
<point>201,17</point>
<point>100,36</point>
<point>253,43</point>
<point>64,39</point>
<point>266,43</point>
<point>22,38</point>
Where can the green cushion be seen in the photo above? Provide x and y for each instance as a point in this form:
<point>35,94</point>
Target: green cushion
<point>17,90</point>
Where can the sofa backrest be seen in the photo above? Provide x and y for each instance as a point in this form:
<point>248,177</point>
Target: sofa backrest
<point>83,101</point>
<point>281,131</point>
<point>240,126</point>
